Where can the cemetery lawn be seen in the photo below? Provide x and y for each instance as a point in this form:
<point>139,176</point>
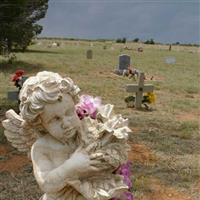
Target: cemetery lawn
<point>165,143</point>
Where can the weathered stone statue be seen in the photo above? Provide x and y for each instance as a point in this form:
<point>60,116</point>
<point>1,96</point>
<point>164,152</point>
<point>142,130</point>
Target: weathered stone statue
<point>72,159</point>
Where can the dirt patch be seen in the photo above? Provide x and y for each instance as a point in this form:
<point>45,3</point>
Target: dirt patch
<point>188,117</point>
<point>154,78</point>
<point>197,186</point>
<point>135,130</point>
<point>14,163</point>
<point>3,150</point>
<point>163,192</point>
<point>11,162</point>
<point>141,153</point>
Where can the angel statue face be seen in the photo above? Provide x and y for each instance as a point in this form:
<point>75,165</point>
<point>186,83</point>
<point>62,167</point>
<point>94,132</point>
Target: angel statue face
<point>60,118</point>
<point>48,100</point>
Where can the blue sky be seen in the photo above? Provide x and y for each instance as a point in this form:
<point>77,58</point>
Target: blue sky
<point>166,21</point>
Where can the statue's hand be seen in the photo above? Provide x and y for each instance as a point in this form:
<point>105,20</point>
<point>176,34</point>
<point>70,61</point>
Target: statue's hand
<point>82,162</point>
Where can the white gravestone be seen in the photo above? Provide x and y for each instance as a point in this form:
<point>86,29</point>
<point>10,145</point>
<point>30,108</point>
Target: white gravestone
<point>170,60</point>
<point>139,90</point>
<point>72,159</point>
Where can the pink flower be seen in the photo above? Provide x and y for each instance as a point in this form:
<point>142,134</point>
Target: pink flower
<point>128,195</point>
<point>88,106</point>
<point>125,171</point>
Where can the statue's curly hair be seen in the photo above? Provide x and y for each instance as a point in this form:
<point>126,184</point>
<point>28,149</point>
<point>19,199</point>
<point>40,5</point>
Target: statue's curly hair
<point>44,88</point>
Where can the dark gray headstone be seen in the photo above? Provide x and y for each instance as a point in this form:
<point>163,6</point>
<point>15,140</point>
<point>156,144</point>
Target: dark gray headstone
<point>13,95</point>
<point>124,63</point>
<point>89,54</point>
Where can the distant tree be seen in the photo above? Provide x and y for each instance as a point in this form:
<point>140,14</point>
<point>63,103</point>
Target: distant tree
<point>118,40</point>
<point>136,40</point>
<point>151,41</point>
<point>124,40</point>
<point>121,40</point>
<point>18,22</point>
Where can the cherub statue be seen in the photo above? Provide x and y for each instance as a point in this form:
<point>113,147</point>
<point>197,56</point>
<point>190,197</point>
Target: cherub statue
<point>73,158</point>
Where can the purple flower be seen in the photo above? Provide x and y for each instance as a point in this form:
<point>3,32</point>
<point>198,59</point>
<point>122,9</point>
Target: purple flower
<point>88,106</point>
<point>125,171</point>
<point>127,181</point>
<point>128,195</point>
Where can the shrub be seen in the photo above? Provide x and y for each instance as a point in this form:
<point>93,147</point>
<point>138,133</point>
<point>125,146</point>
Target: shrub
<point>136,40</point>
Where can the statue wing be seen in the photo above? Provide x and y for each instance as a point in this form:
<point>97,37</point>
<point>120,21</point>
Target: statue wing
<point>17,133</point>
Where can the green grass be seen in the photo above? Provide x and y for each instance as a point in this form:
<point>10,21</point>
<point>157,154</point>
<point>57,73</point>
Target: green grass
<point>177,91</point>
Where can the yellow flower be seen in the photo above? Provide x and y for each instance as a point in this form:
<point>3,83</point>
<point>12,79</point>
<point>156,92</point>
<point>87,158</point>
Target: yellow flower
<point>151,97</point>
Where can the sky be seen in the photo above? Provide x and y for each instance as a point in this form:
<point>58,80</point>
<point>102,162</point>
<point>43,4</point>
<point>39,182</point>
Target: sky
<point>166,21</point>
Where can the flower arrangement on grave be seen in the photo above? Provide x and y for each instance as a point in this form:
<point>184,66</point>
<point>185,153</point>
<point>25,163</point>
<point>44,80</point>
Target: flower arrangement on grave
<point>17,78</point>
<point>148,98</point>
<point>89,106</point>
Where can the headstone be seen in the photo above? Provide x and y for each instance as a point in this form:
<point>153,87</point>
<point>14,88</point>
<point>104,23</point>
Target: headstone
<point>13,95</point>
<point>124,64</point>
<point>89,54</point>
<point>139,90</point>
<point>170,60</point>
<point>4,49</point>
<point>55,44</point>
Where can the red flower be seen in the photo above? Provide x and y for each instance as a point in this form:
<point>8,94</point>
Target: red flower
<point>18,74</point>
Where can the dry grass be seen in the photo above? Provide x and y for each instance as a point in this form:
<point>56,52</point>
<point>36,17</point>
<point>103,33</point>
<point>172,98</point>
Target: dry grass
<point>170,132</point>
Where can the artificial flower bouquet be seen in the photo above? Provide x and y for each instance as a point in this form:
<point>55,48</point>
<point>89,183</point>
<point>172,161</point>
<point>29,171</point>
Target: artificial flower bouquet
<point>147,99</point>
<point>18,78</point>
<point>108,133</point>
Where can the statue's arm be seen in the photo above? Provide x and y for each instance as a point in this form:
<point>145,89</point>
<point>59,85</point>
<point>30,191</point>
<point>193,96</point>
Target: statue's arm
<point>49,177</point>
<point>53,178</point>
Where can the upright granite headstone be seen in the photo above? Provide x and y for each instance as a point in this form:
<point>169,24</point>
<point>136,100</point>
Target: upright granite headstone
<point>124,63</point>
<point>89,54</point>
